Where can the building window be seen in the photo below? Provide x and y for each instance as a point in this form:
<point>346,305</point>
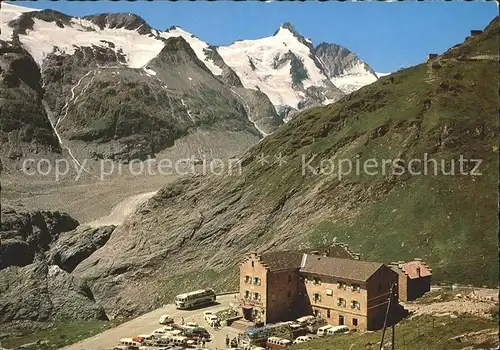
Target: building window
<point>355,287</point>
<point>355,304</point>
<point>247,294</point>
<point>355,322</point>
<point>252,264</point>
<point>316,280</point>
<point>341,285</point>
<point>341,320</point>
<point>256,281</point>
<point>289,294</point>
<point>248,279</point>
<point>328,313</point>
<point>289,278</point>
<point>341,302</point>
<point>256,296</point>
<point>329,292</point>
<point>317,297</point>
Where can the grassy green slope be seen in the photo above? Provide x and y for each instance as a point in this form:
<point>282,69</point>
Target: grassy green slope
<point>420,333</point>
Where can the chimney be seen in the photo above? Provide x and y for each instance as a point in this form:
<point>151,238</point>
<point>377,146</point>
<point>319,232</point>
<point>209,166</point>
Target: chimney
<point>303,262</point>
<point>418,271</point>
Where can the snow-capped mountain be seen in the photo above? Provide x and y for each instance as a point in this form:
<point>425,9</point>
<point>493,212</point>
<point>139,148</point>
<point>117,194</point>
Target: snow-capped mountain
<point>344,68</point>
<point>282,66</point>
<point>249,86</point>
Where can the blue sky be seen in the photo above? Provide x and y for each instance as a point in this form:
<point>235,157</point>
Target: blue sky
<point>386,35</point>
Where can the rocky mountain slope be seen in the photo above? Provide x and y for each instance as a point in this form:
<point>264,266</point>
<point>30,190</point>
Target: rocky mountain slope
<point>38,250</point>
<point>101,93</point>
<point>344,68</point>
<point>194,231</point>
<point>25,127</point>
<point>113,87</point>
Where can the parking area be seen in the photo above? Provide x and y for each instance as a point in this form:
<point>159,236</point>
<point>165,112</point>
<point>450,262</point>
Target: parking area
<point>149,322</point>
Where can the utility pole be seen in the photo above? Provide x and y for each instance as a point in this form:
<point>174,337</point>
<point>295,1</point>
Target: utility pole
<point>394,300</point>
<point>393,335</point>
<point>386,316</point>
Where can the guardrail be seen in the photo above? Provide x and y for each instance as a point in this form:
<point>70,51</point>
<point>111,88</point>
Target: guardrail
<point>228,293</point>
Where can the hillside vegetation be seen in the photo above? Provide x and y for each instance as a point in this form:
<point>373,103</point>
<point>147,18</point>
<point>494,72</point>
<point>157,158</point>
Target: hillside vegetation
<point>423,332</point>
<point>444,109</point>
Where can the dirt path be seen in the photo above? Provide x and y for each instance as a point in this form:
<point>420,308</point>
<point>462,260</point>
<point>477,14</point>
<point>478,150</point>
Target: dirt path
<point>122,210</point>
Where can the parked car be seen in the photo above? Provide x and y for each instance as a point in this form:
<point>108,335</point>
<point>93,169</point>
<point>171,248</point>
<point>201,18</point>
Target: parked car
<point>207,314</point>
<point>191,325</point>
<point>197,332</point>
<point>337,330</point>
<point>277,343</point>
<point>158,332</point>
<point>129,342</point>
<point>314,325</point>
<point>191,344</point>
<point>323,330</point>
<point>302,339</point>
<point>210,318</point>
<point>304,320</point>
<point>166,319</point>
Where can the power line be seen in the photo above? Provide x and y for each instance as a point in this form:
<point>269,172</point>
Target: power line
<point>386,317</point>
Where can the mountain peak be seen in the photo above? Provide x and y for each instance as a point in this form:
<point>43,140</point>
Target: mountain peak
<point>288,26</point>
<point>129,21</point>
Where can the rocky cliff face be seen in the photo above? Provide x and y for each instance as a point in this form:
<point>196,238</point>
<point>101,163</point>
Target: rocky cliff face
<point>38,250</point>
<point>25,127</point>
<point>343,67</point>
<point>39,292</point>
<point>26,236</point>
<point>71,248</point>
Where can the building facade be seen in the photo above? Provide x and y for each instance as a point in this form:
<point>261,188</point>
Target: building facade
<point>271,288</point>
<point>348,292</point>
<point>335,285</point>
<point>414,278</point>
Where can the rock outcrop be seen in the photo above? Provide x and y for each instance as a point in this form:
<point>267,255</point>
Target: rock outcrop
<point>25,127</point>
<point>75,246</point>
<point>39,292</point>
<point>27,235</point>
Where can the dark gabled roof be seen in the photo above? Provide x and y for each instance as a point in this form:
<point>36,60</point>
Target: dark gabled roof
<point>349,269</point>
<point>291,259</point>
<point>282,260</point>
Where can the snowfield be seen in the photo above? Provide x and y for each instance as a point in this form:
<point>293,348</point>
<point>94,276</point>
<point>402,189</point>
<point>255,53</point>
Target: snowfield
<point>354,78</point>
<point>9,12</point>
<point>45,36</point>
<point>275,83</point>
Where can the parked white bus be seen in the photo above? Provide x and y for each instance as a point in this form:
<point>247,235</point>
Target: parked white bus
<point>196,298</point>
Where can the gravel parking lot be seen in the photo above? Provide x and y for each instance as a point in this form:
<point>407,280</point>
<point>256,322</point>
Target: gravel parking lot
<point>147,323</point>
